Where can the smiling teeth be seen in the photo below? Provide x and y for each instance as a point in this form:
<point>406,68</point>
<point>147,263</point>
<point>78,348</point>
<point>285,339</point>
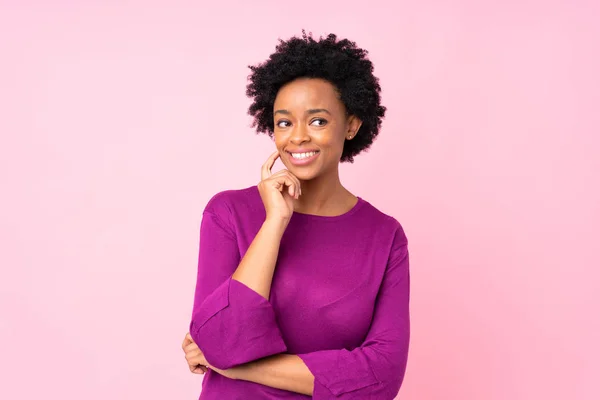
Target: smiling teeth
<point>300,156</point>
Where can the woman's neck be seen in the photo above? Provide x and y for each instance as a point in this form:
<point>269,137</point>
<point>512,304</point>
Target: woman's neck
<point>324,196</point>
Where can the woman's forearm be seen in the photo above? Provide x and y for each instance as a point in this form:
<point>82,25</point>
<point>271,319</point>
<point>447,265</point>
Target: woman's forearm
<point>281,371</point>
<point>258,265</point>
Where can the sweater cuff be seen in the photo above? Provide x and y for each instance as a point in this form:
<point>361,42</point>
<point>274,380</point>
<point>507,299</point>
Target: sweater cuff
<point>235,325</point>
<point>336,372</point>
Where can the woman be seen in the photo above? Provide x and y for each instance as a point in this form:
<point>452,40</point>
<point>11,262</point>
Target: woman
<point>303,287</point>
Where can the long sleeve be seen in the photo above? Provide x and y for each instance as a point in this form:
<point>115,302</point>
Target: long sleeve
<point>231,323</point>
<point>375,370</point>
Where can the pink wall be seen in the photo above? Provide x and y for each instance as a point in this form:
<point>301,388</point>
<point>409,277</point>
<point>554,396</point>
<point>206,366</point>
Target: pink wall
<point>118,123</point>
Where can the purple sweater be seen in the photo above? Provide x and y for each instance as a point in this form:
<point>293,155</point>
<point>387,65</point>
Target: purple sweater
<point>339,300</point>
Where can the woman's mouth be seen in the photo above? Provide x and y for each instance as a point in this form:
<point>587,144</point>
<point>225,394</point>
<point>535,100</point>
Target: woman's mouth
<point>303,158</point>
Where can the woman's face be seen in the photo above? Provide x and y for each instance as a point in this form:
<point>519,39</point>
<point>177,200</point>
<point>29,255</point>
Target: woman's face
<point>310,127</point>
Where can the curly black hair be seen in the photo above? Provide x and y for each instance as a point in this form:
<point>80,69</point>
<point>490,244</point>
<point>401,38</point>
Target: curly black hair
<point>339,62</point>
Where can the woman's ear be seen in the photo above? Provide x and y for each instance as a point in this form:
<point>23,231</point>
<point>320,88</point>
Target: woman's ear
<point>354,124</point>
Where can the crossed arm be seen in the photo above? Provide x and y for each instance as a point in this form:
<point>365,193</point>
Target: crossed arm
<point>281,371</point>
<point>234,325</point>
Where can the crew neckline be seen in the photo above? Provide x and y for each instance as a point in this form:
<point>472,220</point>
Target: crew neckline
<point>357,206</point>
<point>348,213</point>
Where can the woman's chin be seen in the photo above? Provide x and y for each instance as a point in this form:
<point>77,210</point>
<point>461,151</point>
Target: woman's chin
<point>302,173</point>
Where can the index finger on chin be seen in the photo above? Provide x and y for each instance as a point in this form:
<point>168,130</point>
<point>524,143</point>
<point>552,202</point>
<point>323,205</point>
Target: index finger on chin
<point>266,168</point>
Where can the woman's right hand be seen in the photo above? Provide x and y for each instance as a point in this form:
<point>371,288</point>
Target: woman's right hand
<point>278,191</point>
<point>193,355</point>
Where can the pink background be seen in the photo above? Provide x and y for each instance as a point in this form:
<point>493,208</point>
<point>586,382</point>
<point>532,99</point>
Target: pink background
<point>120,119</point>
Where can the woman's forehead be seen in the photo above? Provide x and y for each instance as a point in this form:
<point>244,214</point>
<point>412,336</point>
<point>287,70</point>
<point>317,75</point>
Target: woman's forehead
<point>307,94</point>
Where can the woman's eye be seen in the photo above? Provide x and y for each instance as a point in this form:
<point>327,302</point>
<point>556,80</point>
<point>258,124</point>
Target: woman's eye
<point>283,124</point>
<point>319,122</point>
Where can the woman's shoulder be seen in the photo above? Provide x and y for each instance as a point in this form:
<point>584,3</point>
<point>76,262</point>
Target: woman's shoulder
<point>384,221</point>
<point>227,202</point>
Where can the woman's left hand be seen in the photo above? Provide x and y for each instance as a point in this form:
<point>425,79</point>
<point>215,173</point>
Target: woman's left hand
<point>198,363</point>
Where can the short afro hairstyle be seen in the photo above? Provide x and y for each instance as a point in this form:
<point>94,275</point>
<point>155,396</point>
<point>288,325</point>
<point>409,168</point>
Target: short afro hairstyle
<point>339,62</point>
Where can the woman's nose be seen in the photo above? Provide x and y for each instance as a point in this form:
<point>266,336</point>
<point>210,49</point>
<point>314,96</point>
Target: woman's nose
<point>299,135</point>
